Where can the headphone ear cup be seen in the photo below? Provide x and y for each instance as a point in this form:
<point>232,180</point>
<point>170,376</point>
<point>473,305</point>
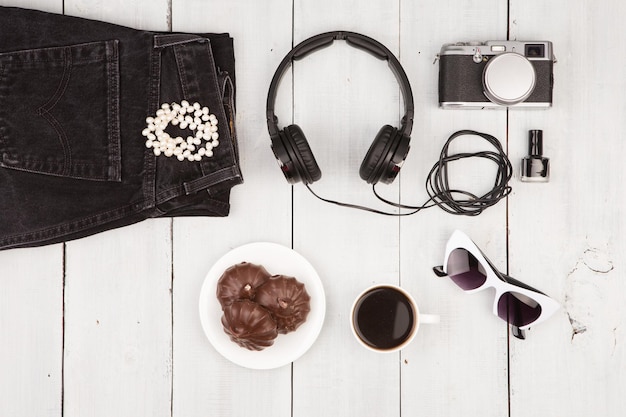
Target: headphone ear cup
<point>284,157</point>
<point>378,154</point>
<point>309,170</point>
<point>399,151</point>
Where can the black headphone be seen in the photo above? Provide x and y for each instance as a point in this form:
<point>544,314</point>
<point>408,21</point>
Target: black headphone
<point>391,145</point>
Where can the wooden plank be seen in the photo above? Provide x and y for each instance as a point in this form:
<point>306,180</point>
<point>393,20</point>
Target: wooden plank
<point>342,97</point>
<point>52,6</point>
<point>205,383</point>
<point>31,331</point>
<point>567,236</point>
<point>31,315</point>
<point>147,15</point>
<point>118,323</point>
<point>459,365</point>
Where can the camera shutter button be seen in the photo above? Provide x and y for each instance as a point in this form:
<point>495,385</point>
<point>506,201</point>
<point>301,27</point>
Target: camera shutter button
<point>508,79</point>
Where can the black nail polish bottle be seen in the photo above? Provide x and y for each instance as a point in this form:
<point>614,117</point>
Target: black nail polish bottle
<point>535,167</point>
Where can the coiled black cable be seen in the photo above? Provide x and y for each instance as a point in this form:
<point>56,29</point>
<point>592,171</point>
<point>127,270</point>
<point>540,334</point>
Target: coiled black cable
<point>461,202</point>
<point>458,202</point>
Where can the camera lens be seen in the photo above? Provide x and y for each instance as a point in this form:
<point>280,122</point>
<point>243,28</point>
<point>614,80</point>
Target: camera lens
<point>509,79</point>
<point>535,50</point>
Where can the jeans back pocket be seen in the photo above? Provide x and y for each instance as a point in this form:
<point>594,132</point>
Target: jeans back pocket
<point>59,111</point>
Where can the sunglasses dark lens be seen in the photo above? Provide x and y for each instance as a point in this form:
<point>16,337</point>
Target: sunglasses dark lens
<point>465,270</point>
<point>517,309</point>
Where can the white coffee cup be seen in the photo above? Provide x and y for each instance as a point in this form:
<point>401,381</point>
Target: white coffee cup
<point>386,318</point>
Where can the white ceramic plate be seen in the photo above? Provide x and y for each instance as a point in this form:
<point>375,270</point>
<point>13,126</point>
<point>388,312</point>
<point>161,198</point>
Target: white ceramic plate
<point>277,259</point>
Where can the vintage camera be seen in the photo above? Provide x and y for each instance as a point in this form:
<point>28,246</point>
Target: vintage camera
<point>496,74</point>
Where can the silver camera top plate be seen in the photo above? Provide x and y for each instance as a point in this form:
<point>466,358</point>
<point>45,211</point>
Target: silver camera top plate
<point>533,50</point>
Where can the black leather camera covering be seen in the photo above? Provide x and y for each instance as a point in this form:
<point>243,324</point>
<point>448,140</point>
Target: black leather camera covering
<point>460,80</point>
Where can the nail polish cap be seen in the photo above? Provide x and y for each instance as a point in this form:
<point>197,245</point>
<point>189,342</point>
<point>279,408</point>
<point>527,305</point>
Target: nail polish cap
<point>535,167</point>
<point>535,142</point>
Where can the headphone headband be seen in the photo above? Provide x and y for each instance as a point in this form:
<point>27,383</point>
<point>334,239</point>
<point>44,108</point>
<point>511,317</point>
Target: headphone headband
<point>356,40</point>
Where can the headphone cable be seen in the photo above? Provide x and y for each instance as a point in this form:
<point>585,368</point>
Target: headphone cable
<point>458,202</point>
<point>461,202</point>
<point>356,206</point>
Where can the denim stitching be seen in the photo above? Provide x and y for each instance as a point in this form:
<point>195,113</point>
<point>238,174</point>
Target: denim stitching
<point>67,151</point>
<point>57,231</point>
<point>178,191</point>
<point>168,194</point>
<point>113,114</point>
<point>149,182</point>
<point>180,40</point>
<point>27,59</point>
<point>209,51</point>
<point>229,102</point>
<point>198,184</point>
<point>3,70</point>
<point>30,160</point>
<point>53,48</point>
<point>35,62</point>
<point>211,179</point>
<point>89,221</point>
<point>44,111</point>
<point>181,71</point>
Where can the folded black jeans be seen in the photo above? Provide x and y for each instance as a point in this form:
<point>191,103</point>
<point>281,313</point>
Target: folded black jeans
<point>75,96</point>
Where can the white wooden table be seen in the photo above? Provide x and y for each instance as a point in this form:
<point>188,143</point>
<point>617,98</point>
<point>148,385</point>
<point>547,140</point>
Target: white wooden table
<point>108,325</point>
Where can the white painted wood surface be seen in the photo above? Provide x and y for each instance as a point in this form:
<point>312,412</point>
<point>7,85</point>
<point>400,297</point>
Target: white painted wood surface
<point>108,325</point>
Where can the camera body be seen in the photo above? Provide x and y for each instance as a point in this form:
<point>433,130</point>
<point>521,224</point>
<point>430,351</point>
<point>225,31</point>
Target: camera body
<point>496,74</point>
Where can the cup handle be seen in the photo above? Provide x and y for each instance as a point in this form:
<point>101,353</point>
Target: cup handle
<point>429,318</point>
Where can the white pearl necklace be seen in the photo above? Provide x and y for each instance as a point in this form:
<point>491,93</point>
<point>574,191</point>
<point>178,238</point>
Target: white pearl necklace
<point>194,117</point>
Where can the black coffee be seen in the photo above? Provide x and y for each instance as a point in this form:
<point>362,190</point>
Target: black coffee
<point>383,318</point>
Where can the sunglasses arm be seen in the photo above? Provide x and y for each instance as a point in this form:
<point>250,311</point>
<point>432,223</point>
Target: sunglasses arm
<point>438,270</point>
<point>517,332</point>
